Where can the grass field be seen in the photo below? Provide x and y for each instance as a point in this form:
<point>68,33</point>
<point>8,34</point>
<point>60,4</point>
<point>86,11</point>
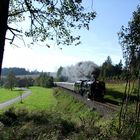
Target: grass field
<point>59,102</point>
<point>115,92</point>
<point>54,114</point>
<point>6,94</point>
<point>40,99</point>
<point>116,87</point>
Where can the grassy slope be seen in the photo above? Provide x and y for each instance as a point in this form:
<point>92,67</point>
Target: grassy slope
<point>40,99</point>
<point>71,109</point>
<point>6,94</point>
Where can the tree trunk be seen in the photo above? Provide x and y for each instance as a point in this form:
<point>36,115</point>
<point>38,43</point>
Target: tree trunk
<point>4,7</point>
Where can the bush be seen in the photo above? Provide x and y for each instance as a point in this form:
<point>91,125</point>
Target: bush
<point>9,117</point>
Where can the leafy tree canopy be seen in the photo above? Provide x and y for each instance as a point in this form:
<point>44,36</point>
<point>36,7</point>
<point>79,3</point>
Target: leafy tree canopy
<point>10,80</point>
<point>44,80</point>
<point>43,19</point>
<point>129,38</point>
<point>50,19</point>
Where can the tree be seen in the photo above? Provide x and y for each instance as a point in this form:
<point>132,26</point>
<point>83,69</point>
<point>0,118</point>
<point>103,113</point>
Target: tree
<point>60,77</point>
<point>110,71</point>
<point>106,69</point>
<point>10,81</point>
<point>49,82</point>
<point>25,82</point>
<point>59,71</point>
<point>47,19</point>
<point>4,6</point>
<point>117,69</point>
<point>130,41</point>
<point>44,80</point>
<point>2,81</point>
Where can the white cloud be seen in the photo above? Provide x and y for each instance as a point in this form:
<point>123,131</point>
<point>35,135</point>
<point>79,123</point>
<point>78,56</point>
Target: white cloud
<point>45,59</point>
<point>42,59</point>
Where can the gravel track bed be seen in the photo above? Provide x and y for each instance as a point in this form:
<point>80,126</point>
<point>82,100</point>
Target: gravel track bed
<point>105,109</point>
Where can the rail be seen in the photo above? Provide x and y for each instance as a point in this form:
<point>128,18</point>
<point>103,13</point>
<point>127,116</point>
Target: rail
<point>103,107</point>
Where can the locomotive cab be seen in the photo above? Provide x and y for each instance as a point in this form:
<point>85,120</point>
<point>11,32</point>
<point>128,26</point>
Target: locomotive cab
<point>97,90</point>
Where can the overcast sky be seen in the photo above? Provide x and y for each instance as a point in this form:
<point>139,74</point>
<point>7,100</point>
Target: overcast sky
<point>97,43</point>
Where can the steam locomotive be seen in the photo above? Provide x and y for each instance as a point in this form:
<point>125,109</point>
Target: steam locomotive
<point>92,89</point>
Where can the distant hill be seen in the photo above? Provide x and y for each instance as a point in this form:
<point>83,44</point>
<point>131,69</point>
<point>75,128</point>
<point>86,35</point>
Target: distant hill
<point>18,71</point>
<point>22,72</point>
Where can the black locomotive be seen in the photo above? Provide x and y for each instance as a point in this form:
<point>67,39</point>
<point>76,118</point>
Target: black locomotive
<point>92,89</point>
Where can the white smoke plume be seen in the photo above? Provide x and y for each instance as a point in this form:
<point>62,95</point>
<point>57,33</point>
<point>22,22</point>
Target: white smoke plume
<point>80,71</point>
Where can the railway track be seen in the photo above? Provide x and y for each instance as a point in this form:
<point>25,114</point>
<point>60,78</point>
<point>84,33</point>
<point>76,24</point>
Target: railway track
<point>103,107</point>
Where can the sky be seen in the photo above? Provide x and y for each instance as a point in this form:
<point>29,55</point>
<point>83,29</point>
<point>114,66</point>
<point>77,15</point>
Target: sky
<point>99,42</point>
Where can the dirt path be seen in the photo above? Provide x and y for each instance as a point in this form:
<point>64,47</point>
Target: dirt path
<point>24,95</point>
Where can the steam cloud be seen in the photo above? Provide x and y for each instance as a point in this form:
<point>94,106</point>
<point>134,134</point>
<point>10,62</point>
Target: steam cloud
<point>80,71</point>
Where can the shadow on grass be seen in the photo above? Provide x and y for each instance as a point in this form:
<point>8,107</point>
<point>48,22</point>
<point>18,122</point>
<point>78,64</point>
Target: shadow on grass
<point>116,97</point>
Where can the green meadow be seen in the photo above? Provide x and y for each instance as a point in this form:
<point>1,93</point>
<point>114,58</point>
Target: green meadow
<point>6,94</point>
<point>115,92</point>
<point>53,114</point>
<point>40,99</point>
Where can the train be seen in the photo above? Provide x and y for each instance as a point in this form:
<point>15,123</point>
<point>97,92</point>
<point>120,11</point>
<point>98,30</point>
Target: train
<point>91,89</point>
